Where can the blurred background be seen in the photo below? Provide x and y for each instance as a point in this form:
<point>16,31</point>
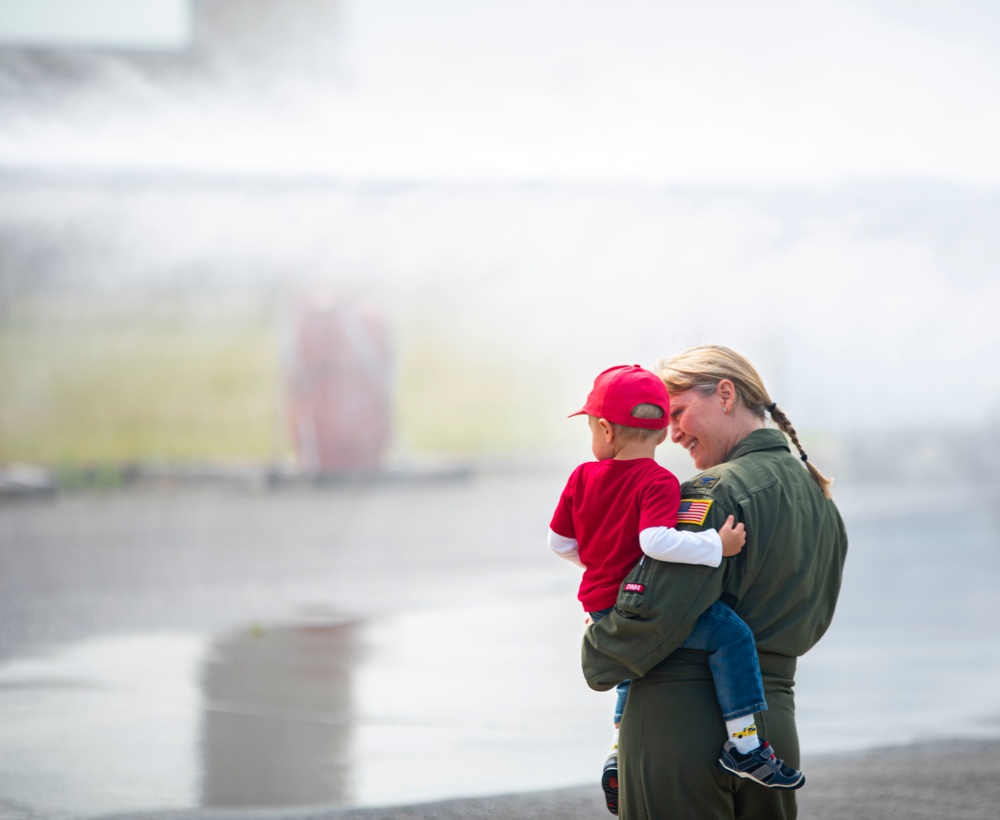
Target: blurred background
<point>294,290</point>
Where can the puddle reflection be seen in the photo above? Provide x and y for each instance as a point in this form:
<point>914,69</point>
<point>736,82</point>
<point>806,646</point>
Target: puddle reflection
<point>302,713</point>
<point>277,722</point>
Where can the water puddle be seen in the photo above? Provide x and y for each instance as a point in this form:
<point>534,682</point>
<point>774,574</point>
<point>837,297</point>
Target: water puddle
<point>102,726</point>
<point>303,713</point>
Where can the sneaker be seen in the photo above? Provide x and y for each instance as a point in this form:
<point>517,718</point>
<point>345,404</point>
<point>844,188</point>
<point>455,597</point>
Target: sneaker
<point>761,766</point>
<point>609,782</point>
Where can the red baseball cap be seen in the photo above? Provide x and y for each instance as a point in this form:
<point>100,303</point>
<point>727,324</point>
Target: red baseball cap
<point>619,389</point>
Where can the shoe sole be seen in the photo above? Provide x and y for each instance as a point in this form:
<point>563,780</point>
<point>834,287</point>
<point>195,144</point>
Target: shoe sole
<point>798,784</point>
<point>609,782</point>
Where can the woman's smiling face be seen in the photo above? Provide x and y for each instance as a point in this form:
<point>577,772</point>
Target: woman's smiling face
<point>697,424</point>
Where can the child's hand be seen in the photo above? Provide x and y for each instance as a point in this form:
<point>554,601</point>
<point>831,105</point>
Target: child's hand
<point>733,537</point>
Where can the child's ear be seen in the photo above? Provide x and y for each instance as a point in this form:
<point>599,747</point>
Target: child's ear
<point>662,437</point>
<point>607,429</point>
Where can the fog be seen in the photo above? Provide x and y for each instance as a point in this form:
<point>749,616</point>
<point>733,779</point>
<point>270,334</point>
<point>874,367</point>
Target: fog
<point>554,188</point>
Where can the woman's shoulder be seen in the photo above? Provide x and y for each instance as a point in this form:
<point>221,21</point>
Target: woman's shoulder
<point>735,479</point>
<point>704,483</point>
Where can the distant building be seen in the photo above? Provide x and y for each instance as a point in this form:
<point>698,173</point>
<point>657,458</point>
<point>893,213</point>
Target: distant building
<point>227,41</point>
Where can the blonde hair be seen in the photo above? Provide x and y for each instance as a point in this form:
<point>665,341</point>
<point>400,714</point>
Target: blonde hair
<point>702,368</point>
<point>640,411</point>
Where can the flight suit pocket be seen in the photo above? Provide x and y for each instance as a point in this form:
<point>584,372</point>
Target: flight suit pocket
<point>632,598</point>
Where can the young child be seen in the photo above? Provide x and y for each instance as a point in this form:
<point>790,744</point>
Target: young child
<point>623,506</point>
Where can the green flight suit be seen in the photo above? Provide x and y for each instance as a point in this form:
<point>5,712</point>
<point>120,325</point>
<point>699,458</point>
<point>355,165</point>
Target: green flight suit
<point>784,584</point>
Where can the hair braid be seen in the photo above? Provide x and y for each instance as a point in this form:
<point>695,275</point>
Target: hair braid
<point>781,420</point>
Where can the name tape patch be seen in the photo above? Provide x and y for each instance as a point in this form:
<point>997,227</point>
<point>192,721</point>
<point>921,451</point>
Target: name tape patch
<point>693,510</point>
<point>633,587</point>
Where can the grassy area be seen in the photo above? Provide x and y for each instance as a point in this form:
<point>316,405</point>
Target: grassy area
<point>114,387</point>
<point>89,383</point>
<point>477,396</point>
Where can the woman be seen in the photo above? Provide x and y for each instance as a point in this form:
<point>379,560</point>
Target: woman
<point>784,584</point>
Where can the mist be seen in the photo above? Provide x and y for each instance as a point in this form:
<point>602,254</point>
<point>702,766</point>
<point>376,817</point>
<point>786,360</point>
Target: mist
<point>555,191</point>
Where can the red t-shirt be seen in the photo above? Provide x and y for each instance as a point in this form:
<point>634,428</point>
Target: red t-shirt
<point>604,506</point>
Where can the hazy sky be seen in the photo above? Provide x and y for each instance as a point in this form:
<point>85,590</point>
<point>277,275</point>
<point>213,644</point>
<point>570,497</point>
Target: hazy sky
<point>767,92</point>
<point>719,91</point>
<point>852,305</point>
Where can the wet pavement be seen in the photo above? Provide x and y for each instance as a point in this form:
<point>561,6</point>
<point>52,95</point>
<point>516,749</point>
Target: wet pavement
<point>345,645</point>
<point>304,645</point>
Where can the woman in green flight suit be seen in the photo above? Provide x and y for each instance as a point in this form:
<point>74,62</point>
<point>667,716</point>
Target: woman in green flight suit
<point>784,584</point>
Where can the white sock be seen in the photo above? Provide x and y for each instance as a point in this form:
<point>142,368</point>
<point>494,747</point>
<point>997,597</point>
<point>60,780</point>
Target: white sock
<point>614,744</point>
<point>742,732</point>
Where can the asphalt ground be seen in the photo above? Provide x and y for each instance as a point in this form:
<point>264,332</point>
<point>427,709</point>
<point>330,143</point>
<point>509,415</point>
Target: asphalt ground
<point>954,780</point>
<point>235,566</point>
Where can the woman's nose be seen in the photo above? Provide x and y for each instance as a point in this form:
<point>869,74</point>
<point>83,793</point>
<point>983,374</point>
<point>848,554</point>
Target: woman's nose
<point>675,434</point>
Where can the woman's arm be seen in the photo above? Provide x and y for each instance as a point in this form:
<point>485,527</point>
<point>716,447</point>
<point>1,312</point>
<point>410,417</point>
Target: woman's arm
<point>656,610</point>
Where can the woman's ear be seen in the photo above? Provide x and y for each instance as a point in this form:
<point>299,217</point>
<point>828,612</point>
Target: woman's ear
<point>726,391</point>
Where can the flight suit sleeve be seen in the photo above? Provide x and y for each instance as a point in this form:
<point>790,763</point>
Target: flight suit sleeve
<point>658,604</point>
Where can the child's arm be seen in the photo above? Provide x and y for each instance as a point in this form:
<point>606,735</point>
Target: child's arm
<point>707,547</point>
<point>733,537</point>
<point>565,548</point>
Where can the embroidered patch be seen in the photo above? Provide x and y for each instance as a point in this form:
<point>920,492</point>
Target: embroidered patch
<point>705,482</point>
<point>693,510</point>
<point>638,588</point>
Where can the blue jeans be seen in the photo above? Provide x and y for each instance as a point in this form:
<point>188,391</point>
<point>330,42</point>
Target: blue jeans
<point>733,661</point>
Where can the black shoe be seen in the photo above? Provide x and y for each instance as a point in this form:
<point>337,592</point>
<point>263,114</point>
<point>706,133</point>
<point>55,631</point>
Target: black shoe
<point>761,766</point>
<point>609,782</point>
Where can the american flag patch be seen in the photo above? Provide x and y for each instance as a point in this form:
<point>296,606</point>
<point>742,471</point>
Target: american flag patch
<point>693,510</point>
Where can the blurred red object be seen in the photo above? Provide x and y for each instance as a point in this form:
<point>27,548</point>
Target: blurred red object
<point>337,377</point>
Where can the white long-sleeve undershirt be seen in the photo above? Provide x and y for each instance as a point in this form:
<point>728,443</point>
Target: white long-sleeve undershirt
<point>661,543</point>
<point>565,548</point>
<point>682,546</point>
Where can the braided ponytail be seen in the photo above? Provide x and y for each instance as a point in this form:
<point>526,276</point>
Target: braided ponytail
<point>702,368</point>
<point>781,420</point>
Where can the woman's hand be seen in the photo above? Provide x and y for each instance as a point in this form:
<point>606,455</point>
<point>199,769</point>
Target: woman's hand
<point>733,536</point>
